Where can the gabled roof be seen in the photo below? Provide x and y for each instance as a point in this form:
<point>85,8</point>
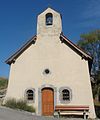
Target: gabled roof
<point>21,50</point>
<point>76,48</point>
<point>63,39</point>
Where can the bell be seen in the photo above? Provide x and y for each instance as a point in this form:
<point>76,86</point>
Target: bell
<point>49,22</point>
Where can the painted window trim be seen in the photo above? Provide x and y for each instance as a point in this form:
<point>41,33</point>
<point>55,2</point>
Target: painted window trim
<point>30,101</point>
<point>60,95</point>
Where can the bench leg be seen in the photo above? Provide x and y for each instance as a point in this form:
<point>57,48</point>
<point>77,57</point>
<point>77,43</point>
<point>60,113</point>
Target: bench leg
<point>58,114</point>
<point>84,115</point>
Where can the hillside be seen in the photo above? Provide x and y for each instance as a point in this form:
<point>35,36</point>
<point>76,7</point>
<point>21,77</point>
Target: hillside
<point>3,86</point>
<point>3,83</point>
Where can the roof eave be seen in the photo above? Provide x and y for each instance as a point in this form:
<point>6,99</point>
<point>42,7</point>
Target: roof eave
<point>13,57</point>
<point>82,52</point>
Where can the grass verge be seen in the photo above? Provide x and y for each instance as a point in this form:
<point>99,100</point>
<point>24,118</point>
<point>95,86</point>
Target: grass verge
<point>19,104</point>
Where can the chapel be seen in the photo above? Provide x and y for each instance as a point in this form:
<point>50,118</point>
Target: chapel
<point>50,72</point>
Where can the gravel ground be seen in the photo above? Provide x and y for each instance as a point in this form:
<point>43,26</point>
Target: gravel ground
<point>9,114</point>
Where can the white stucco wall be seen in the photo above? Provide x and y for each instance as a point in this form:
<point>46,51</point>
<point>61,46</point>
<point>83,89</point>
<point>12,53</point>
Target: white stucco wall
<point>66,68</point>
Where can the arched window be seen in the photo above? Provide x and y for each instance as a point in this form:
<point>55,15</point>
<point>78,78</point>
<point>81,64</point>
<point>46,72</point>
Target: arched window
<point>65,94</point>
<point>49,19</point>
<point>30,94</point>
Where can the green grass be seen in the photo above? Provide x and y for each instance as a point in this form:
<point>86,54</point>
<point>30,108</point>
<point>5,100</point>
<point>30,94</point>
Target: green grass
<point>19,104</point>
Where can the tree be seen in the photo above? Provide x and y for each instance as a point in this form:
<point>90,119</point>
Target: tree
<point>90,42</point>
<point>96,88</point>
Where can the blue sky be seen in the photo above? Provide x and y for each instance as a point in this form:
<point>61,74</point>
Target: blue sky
<point>18,22</point>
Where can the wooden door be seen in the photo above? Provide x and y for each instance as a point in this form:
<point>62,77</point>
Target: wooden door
<point>47,102</point>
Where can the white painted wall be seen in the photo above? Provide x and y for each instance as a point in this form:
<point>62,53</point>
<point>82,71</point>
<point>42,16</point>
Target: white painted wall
<point>67,68</point>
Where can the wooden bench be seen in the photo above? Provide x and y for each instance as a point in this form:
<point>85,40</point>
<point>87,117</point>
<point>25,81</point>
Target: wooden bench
<point>82,111</point>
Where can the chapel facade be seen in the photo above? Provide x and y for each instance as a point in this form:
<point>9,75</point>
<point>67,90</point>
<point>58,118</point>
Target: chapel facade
<point>50,70</point>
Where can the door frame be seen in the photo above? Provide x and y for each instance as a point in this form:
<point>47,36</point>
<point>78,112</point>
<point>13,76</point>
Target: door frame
<point>40,97</point>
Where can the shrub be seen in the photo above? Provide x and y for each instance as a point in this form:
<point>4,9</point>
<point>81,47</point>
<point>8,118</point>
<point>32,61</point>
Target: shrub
<point>97,109</point>
<point>19,104</point>
<point>3,83</point>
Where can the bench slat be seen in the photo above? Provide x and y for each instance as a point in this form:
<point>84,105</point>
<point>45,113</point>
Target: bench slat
<point>71,108</point>
<point>59,106</point>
